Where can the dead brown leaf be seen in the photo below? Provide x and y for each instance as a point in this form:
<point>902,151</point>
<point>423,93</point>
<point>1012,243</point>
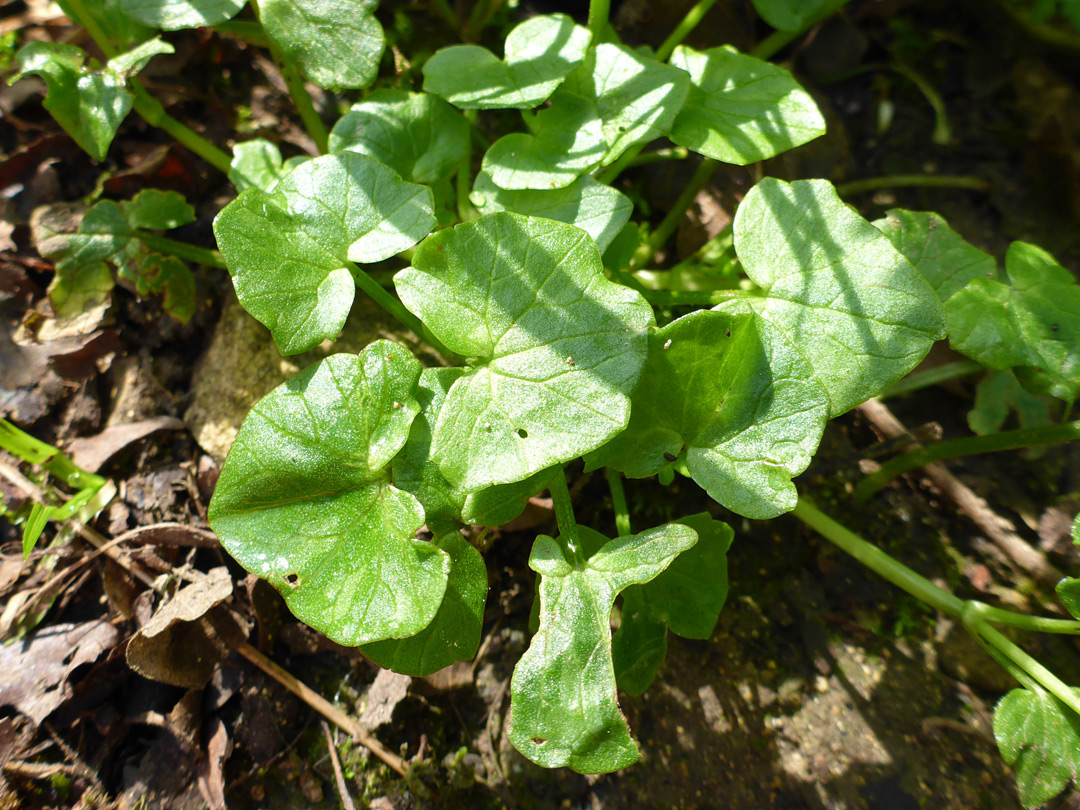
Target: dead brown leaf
<point>91,453</point>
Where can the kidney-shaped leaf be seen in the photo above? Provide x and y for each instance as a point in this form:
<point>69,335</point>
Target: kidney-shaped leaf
<point>416,472</point>
<point>289,250</point>
<point>1039,736</point>
<point>336,44</point>
<point>738,398</point>
<point>564,710</point>
<point>454,633</point>
<point>742,109</point>
<point>539,54</point>
<point>172,15</point>
<point>834,285</point>
<point>1032,322</point>
<point>304,499</point>
<point>554,348</point>
<point>418,135</point>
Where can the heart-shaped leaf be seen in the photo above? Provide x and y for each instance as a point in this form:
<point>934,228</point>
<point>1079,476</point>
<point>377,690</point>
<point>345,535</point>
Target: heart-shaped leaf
<point>539,54</point>
<point>305,501</point>
<point>834,285</point>
<point>89,104</point>
<point>418,135</point>
<point>738,398</point>
<point>742,109</point>
<point>289,251</point>
<point>1033,321</point>
<point>564,710</point>
<point>554,348</point>
<point>686,598</point>
<point>337,45</point>
<point>1040,737</point>
<point>454,633</point>
<point>158,210</point>
<point>416,472</point>
<point>172,15</point>
<point>599,210</point>
<point>636,97</point>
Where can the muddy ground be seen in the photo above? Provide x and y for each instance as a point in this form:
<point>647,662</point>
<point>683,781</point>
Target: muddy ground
<point>822,687</point>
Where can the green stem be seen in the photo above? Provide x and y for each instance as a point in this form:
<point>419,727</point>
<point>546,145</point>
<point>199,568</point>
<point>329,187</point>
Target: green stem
<point>447,13</point>
<point>598,19</point>
<point>1035,624</point>
<point>463,179</point>
<point>246,31</point>
<point>912,180</point>
<point>942,130</point>
<point>313,123</point>
<point>182,250</point>
<point>657,155</point>
<point>397,309</point>
<point>670,222</point>
<point>564,514</point>
<point>481,13</point>
<point>781,39</point>
<point>931,376</point>
<point>607,176</point>
<point>689,22</point>
<point>968,446</point>
<point>153,112</point>
<point>84,18</point>
<point>691,298</point>
<point>618,502</point>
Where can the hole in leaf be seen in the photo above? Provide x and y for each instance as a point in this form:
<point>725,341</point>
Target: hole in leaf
<point>293,580</point>
<point>538,741</point>
<point>522,433</point>
<point>670,456</point>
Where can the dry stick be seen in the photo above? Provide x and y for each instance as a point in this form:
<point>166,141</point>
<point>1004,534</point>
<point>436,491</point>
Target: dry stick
<point>342,788</point>
<point>322,706</point>
<point>996,528</point>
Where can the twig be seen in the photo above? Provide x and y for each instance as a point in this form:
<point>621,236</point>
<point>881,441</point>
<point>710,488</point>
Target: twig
<point>996,528</point>
<point>322,706</point>
<point>343,790</point>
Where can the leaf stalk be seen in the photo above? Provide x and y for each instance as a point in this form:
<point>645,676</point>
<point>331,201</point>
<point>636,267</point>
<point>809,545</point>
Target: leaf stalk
<point>564,514</point>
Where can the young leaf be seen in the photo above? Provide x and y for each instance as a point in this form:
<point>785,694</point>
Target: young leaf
<point>742,109</point>
<point>554,347</point>
<point>636,97</point>
<point>859,313</point>
<point>418,135</point>
<point>257,164</point>
<point>790,15</point>
<point>567,141</point>
<point>157,210</point>
<point>172,15</point>
<point>290,250</point>
<point>454,633</point>
<point>416,472</point>
<point>601,211</point>
<point>337,45</point>
<point>686,598</point>
<point>1068,591</point>
<point>168,276</point>
<point>89,104</point>
<point>564,710</point>
<point>304,499</point>
<point>77,287</point>
<point>999,393</point>
<point>539,54</point>
<point>741,401</point>
<point>1034,321</point>
<point>1040,737</point>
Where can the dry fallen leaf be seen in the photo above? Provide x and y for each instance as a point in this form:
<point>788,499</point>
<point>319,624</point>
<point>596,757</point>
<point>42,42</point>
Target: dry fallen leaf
<point>92,452</point>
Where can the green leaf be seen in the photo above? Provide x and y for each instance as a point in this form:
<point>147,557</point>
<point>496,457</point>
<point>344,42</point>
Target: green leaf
<point>131,62</point>
<point>599,210</point>
<point>305,501</point>
<point>337,45</point>
<point>742,109</point>
<point>790,15</point>
<point>554,348</point>
<point>257,164</point>
<point>89,104</point>
<point>454,633</point>
<point>172,15</point>
<point>564,710</point>
<point>737,397</point>
<point>636,97</point>
<point>999,393</point>
<point>1068,591</point>
<point>78,286</point>
<point>1040,737</point>
<point>567,141</point>
<point>418,135</point>
<point>539,54</point>
<point>122,29</point>
<point>1034,321</point>
<point>289,251</point>
<point>171,278</point>
<point>834,285</point>
<point>1076,531</point>
<point>416,472</point>
<point>158,210</point>
<point>686,598</point>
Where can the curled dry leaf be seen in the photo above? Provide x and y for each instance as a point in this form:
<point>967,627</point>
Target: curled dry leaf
<point>91,453</point>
